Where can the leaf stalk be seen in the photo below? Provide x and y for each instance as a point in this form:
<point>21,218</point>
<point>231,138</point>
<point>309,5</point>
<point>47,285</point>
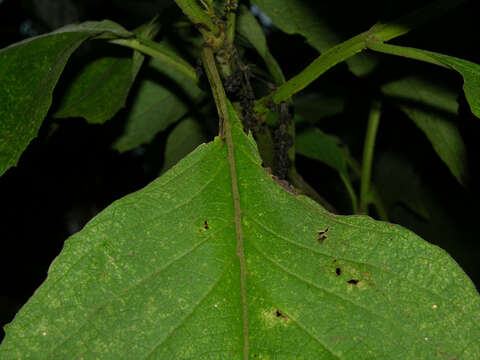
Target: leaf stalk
<point>372,127</point>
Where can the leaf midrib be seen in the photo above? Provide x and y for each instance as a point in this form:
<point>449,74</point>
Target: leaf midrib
<point>238,226</point>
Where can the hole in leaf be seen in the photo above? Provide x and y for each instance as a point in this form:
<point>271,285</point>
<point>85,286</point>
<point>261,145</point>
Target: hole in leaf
<point>322,234</point>
<point>338,271</point>
<point>205,225</point>
<point>279,314</point>
<point>353,281</point>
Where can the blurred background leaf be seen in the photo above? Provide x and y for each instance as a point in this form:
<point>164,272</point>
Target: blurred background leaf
<point>433,108</point>
<point>163,97</point>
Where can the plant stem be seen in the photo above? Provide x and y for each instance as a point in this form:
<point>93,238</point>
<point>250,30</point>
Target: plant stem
<point>413,20</point>
<point>159,52</point>
<point>343,51</point>
<point>379,206</point>
<point>375,198</point>
<point>328,59</point>
<point>372,127</point>
<point>351,192</point>
<point>222,108</point>
<point>218,91</point>
<point>231,20</point>
<point>199,17</point>
<point>403,51</point>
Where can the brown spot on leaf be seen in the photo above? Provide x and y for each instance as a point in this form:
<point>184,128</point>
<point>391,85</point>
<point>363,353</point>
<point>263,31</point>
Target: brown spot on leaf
<point>322,234</point>
<point>340,338</point>
<point>274,317</point>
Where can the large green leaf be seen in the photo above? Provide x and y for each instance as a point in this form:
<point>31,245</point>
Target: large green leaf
<point>434,110</point>
<point>160,101</point>
<point>215,260</point>
<point>102,86</point>
<point>29,71</point>
<point>299,17</point>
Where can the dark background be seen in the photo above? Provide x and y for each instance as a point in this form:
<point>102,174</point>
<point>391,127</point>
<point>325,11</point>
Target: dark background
<point>69,173</point>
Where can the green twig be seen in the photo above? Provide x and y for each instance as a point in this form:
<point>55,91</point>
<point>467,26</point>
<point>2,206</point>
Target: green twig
<point>222,108</point>
<point>341,52</point>
<point>372,127</point>
<point>413,20</point>
<point>404,51</point>
<point>320,65</point>
<point>159,52</point>
<point>231,8</point>
<point>199,17</point>
<point>351,192</point>
<point>218,91</point>
<point>377,201</point>
<point>375,197</point>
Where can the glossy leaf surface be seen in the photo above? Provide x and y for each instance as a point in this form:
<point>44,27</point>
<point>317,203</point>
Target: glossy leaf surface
<point>29,71</point>
<point>178,271</point>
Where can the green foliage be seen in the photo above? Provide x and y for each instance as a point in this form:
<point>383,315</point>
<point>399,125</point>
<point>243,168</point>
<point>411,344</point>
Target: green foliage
<point>298,17</point>
<point>156,106</point>
<point>219,258</point>
<point>142,277</point>
<point>433,109</point>
<point>102,87</point>
<point>328,149</point>
<point>469,71</point>
<point>249,27</point>
<point>31,69</point>
<point>471,76</point>
<point>183,139</point>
